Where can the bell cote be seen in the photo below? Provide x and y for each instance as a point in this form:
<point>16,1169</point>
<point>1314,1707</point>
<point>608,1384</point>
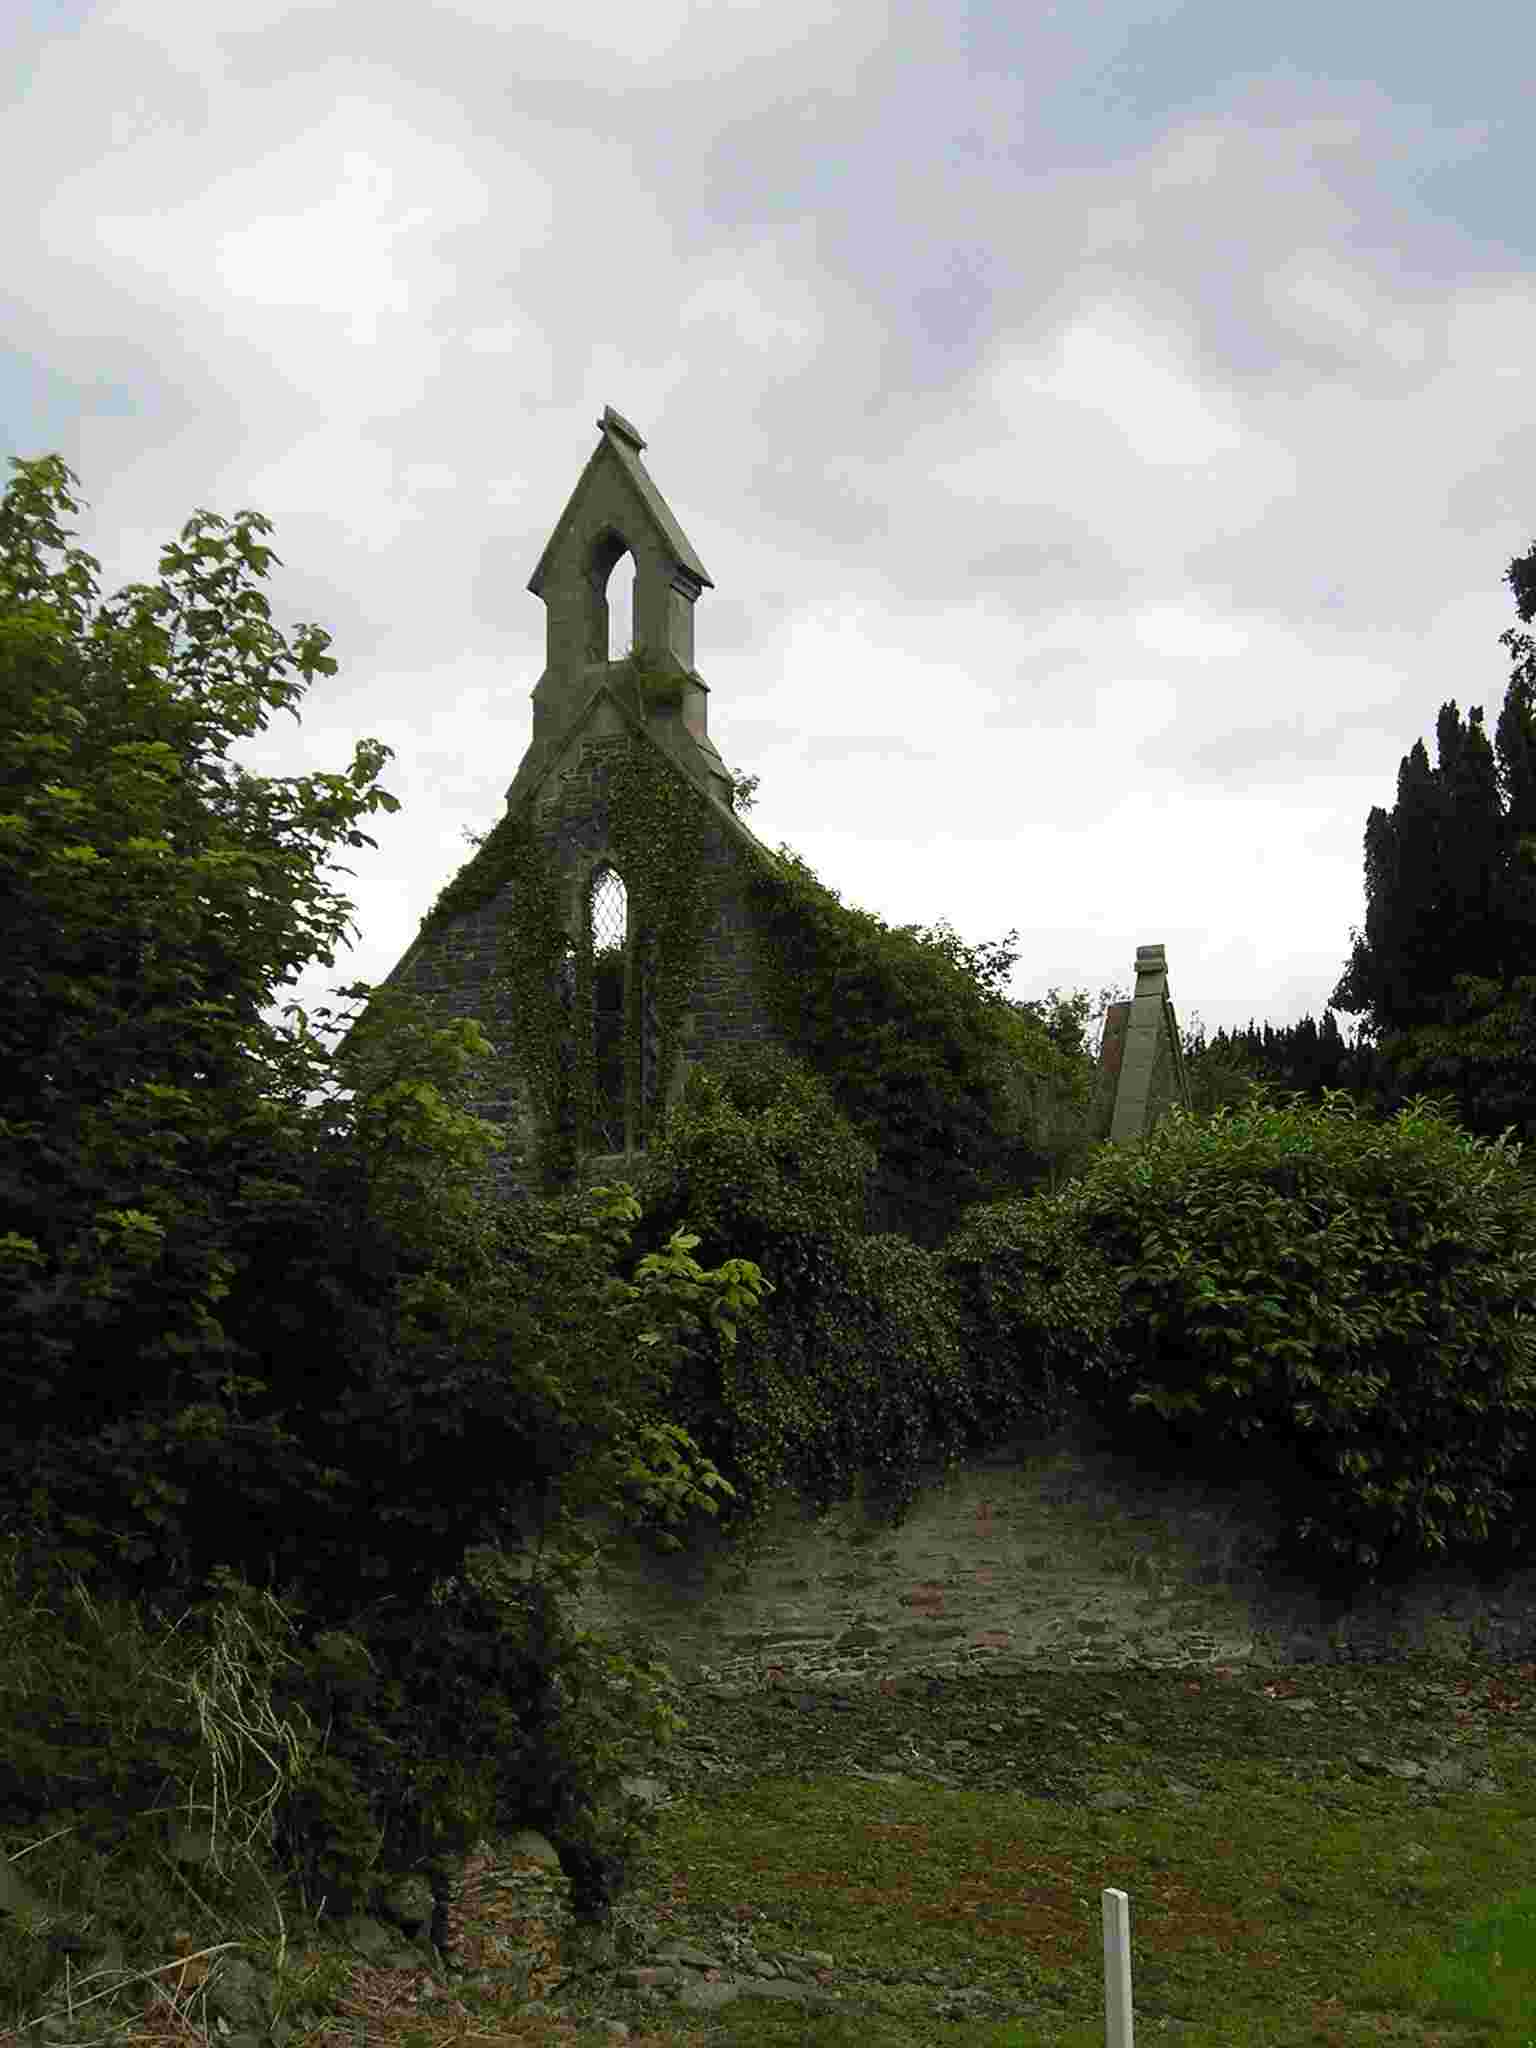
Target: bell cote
<point>614,510</point>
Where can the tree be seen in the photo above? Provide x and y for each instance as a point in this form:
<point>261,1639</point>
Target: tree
<point>1451,909</point>
<point>128,898</point>
<point>233,1327</point>
<point>1516,737</point>
<point>1408,915</point>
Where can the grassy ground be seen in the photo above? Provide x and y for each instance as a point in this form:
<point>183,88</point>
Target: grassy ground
<point>1492,1971</point>
<point>1300,1869</point>
<point>1290,1881</point>
<point>1306,1895</point>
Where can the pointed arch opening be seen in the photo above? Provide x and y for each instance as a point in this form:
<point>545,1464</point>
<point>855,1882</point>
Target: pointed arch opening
<point>623,955</point>
<point>621,607</point>
<point>609,600</point>
<point>608,903</point>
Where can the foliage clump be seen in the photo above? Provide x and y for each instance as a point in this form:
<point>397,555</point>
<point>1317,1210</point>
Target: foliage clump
<point>1037,1301</point>
<point>756,1155</point>
<point>869,1351</point>
<point>1353,1294</point>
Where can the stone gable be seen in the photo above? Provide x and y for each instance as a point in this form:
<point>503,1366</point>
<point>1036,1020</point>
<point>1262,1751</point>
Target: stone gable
<point>589,711</point>
<point>585,718</point>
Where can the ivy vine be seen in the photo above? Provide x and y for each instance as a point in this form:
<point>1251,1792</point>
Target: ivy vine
<point>937,1073</point>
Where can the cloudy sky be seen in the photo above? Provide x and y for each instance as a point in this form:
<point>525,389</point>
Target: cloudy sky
<point>1106,428</point>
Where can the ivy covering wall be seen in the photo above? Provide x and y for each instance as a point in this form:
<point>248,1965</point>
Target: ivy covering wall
<point>728,945</point>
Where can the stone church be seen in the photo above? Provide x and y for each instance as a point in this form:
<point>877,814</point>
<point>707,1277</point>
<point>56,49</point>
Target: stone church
<point>608,993</point>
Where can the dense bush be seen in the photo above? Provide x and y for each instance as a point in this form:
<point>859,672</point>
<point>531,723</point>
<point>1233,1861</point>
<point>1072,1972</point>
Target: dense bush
<point>858,1364</point>
<point>1036,1301</point>
<point>1354,1293</point>
<point>481,1714</point>
<point>755,1156</point>
<point>312,1773</point>
<point>465,1707</point>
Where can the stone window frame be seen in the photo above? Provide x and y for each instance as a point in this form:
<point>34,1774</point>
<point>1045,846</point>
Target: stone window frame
<point>639,954</point>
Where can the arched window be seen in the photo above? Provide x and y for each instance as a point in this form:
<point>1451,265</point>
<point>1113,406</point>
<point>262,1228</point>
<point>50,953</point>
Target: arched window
<point>609,597</point>
<point>619,953</point>
<point>621,607</point>
<point>609,912</point>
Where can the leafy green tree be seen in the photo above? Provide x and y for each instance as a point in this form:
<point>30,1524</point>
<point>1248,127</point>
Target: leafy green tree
<point>126,896</point>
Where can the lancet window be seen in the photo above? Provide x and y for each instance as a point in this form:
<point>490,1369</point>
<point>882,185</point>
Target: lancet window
<point>619,953</point>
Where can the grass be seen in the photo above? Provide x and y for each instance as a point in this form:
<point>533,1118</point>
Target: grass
<point>1308,1893</point>
<point>1491,1972</point>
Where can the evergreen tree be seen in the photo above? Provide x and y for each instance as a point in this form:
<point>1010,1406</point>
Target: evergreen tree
<point>1516,740</point>
<point>1408,920</point>
<point>1472,845</point>
<point>1451,911</point>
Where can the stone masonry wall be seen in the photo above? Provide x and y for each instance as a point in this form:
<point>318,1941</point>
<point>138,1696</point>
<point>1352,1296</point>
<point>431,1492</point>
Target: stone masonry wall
<point>453,965</point>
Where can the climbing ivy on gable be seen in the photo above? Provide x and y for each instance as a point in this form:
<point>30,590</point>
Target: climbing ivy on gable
<point>655,836</point>
<point>954,1085</point>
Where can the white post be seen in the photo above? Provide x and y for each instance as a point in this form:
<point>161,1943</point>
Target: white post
<point>1117,1971</point>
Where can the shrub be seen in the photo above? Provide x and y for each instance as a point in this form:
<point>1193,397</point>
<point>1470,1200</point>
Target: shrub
<point>865,1357</point>
<point>1355,1290</point>
<point>1036,1300</point>
<point>485,1713</point>
<point>328,1766</point>
<point>465,1703</point>
<point>756,1156</point>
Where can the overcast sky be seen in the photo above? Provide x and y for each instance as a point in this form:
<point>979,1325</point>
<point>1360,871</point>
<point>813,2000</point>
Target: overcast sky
<point>1106,428</point>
